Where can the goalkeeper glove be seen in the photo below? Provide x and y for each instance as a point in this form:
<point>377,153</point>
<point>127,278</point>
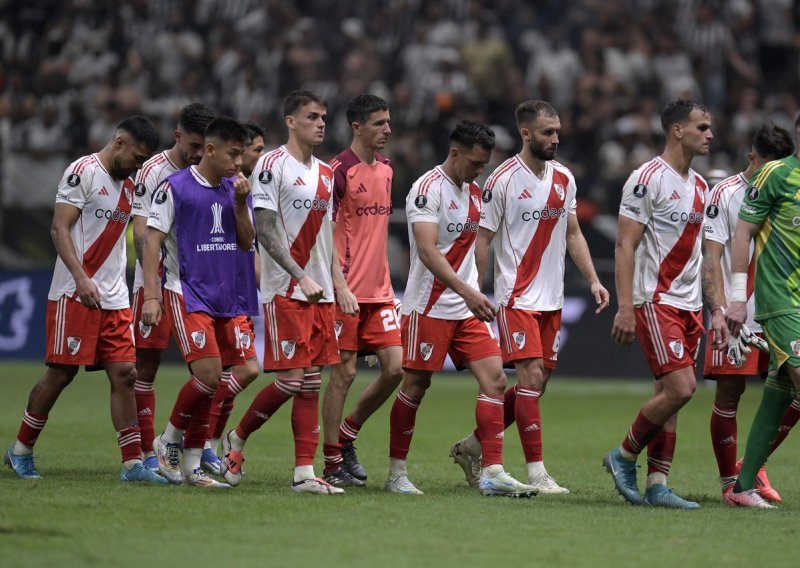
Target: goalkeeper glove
<point>751,338</point>
<point>737,351</point>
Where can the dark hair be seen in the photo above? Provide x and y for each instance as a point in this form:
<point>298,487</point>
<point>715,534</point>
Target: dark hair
<point>141,130</point>
<point>529,111</point>
<point>361,107</point>
<point>255,130</point>
<point>797,121</point>
<point>772,142</point>
<point>227,129</point>
<point>678,111</point>
<point>469,133</point>
<point>194,118</point>
<point>296,99</point>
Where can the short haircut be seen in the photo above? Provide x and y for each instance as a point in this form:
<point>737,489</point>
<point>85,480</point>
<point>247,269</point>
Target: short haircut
<point>297,99</point>
<point>141,130</point>
<point>227,129</point>
<point>469,133</point>
<point>772,142</point>
<point>678,111</point>
<point>255,130</point>
<point>529,111</point>
<point>361,107</point>
<point>194,118</point>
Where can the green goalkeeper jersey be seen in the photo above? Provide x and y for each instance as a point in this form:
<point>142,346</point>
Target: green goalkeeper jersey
<point>773,201</point>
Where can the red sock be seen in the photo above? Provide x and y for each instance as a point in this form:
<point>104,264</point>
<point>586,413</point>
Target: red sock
<point>30,427</point>
<point>509,406</point>
<point>348,431</point>
<point>145,412</point>
<point>190,397</point>
<point>723,439</point>
<point>130,443</point>
<point>221,413</point>
<point>489,416</point>
<point>333,456</point>
<point>640,434</point>
<point>401,425</point>
<point>790,418</point>
<point>196,432</point>
<point>218,404</point>
<point>529,423</point>
<point>265,404</point>
<point>305,420</point>
<point>660,451</point>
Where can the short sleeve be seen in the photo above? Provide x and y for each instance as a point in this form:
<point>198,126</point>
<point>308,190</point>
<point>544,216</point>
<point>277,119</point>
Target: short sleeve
<point>265,184</point>
<point>144,189</point>
<point>74,188</point>
<point>572,206</point>
<point>716,226</point>
<point>760,194</point>
<point>637,199</point>
<point>494,205</point>
<point>422,205</point>
<point>162,210</point>
<point>339,187</point>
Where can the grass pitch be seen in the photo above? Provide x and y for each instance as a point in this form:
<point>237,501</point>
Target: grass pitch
<point>80,515</point>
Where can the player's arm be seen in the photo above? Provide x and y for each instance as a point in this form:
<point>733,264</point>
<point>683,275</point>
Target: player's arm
<point>425,235</point>
<point>64,217</point>
<point>275,244</point>
<point>245,231</point>
<point>151,256</point>
<point>578,250</point>
<point>482,243</point>
<point>628,238</point>
<point>344,297</point>
<point>139,235</point>
<point>714,291</point>
<point>740,260</point>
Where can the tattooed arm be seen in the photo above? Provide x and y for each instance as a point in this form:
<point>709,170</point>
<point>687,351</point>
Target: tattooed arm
<point>714,292</point>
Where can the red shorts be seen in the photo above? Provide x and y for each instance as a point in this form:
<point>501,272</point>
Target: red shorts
<point>427,340</point>
<point>77,335</point>
<point>298,335</point>
<point>375,327</point>
<point>247,336</point>
<point>529,335</point>
<point>670,337</point>
<point>716,363</point>
<point>200,335</point>
<point>149,336</point>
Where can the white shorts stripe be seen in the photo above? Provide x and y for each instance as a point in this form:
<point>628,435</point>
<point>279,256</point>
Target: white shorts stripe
<point>655,334</point>
<point>177,317</point>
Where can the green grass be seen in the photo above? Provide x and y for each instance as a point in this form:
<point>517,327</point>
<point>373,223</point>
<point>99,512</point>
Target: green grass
<point>80,515</point>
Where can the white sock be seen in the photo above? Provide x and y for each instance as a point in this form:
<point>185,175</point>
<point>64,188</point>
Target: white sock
<point>207,445</point>
<point>627,455</point>
<point>191,460</point>
<point>397,467</point>
<point>21,449</point>
<point>237,444</point>
<point>130,463</point>
<point>302,472</point>
<point>171,434</point>
<point>536,469</point>
<point>472,445</point>
<point>656,478</point>
<point>214,443</point>
<point>492,470</point>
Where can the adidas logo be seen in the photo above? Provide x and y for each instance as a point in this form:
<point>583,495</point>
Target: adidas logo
<point>103,191</point>
<point>145,412</point>
<point>532,428</point>
<point>408,432</point>
<point>728,441</point>
<point>361,188</point>
<point>262,415</point>
<point>453,205</point>
<point>675,195</point>
<point>299,181</point>
<point>525,194</point>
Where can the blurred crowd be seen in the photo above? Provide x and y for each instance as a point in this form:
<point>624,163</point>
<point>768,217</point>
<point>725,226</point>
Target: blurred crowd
<point>71,69</point>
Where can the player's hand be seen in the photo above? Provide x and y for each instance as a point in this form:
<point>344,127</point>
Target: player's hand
<point>751,338</point>
<point>624,329</point>
<point>737,351</point>
<point>152,311</point>
<point>311,290</point>
<point>398,310</point>
<point>241,188</point>
<point>720,334</point>
<point>347,301</point>
<point>87,292</point>
<point>735,316</point>
<point>479,305</point>
<point>601,296</point>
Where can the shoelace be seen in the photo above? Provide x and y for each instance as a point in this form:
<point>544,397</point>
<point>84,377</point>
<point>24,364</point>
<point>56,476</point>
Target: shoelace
<point>173,457</point>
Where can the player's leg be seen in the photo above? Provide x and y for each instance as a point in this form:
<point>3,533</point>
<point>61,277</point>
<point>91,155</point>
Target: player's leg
<point>723,427</point>
<point>341,378</point>
<point>401,429</point>
<point>147,363</point>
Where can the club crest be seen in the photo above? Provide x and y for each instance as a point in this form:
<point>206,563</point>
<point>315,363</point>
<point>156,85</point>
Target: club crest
<point>476,202</point>
<point>326,181</point>
<point>795,345</point>
<point>145,330</point>
<point>199,338</point>
<point>337,327</point>
<point>519,339</point>
<point>73,345</point>
<point>288,347</point>
<point>425,350</point>
<point>559,190</point>
<point>677,348</point>
<point>244,339</point>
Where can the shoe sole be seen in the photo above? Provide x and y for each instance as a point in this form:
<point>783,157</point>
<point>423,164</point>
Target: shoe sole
<point>464,465</point>
<point>512,495</point>
<point>610,469</point>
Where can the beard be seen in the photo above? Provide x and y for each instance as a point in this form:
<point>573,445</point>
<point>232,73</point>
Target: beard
<point>543,153</point>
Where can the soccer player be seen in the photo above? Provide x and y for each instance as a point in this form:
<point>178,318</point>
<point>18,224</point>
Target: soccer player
<point>362,203</point>
<point>152,340</point>
<point>445,312</point>
<point>202,215</point>
<point>769,143</point>
<point>770,213</point>
<point>236,379</point>
<point>299,269</point>
<point>89,318</point>
<point>531,208</point>
<point>658,258</point>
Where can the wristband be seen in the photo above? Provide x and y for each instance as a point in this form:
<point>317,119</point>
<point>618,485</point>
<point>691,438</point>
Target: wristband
<point>739,287</point>
<point>148,299</point>
<point>718,308</point>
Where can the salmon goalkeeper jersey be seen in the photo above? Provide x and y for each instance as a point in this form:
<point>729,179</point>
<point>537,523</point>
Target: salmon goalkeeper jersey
<point>773,201</point>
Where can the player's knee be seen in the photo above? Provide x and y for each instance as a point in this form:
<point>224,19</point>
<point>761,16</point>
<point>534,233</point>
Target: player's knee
<point>124,377</point>
<point>681,394</point>
<point>728,393</point>
<point>249,373</point>
<point>57,377</point>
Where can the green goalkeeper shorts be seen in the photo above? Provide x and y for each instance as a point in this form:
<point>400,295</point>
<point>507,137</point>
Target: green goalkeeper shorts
<point>783,336</point>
